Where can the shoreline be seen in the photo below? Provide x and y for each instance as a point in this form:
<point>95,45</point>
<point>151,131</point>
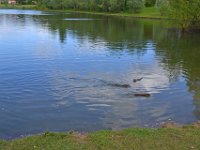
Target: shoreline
<point>167,124</point>
<point>170,136</point>
<point>142,15</point>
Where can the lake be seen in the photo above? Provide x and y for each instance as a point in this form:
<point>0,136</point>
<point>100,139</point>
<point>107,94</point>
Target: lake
<point>69,71</point>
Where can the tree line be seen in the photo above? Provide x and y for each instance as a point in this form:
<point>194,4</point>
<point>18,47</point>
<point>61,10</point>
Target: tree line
<point>94,5</point>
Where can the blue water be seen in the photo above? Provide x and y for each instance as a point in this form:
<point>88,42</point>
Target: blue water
<point>62,71</point>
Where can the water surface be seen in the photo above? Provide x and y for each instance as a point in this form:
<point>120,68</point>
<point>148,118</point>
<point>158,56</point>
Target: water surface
<point>63,71</point>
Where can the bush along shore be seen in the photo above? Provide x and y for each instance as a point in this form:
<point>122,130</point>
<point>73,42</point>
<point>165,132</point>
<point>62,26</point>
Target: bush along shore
<point>170,137</point>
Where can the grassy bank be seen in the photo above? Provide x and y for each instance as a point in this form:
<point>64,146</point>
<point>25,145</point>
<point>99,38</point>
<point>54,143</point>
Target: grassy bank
<point>149,12</point>
<point>184,138</point>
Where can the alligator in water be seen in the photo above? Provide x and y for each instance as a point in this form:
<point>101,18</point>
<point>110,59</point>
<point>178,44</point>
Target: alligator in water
<point>142,95</point>
<point>119,85</point>
<point>136,80</point>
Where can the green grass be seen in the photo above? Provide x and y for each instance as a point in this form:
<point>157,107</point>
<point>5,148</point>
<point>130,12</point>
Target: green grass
<point>187,138</point>
<point>149,12</point>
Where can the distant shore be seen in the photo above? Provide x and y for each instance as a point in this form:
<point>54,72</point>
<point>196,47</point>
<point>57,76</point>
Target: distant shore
<point>147,13</point>
<point>167,138</point>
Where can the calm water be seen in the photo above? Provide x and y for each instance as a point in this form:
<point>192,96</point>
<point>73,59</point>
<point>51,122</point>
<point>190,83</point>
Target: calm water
<point>62,71</point>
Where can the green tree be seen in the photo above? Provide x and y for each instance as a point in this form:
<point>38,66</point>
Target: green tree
<point>136,5</point>
<point>163,7</point>
<point>149,3</point>
<point>95,5</point>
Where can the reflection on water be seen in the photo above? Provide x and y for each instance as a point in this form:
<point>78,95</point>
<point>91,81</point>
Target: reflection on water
<point>22,12</point>
<point>59,74</point>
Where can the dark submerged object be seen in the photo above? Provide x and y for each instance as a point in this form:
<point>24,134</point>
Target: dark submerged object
<point>136,80</point>
<point>120,85</point>
<point>142,95</point>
